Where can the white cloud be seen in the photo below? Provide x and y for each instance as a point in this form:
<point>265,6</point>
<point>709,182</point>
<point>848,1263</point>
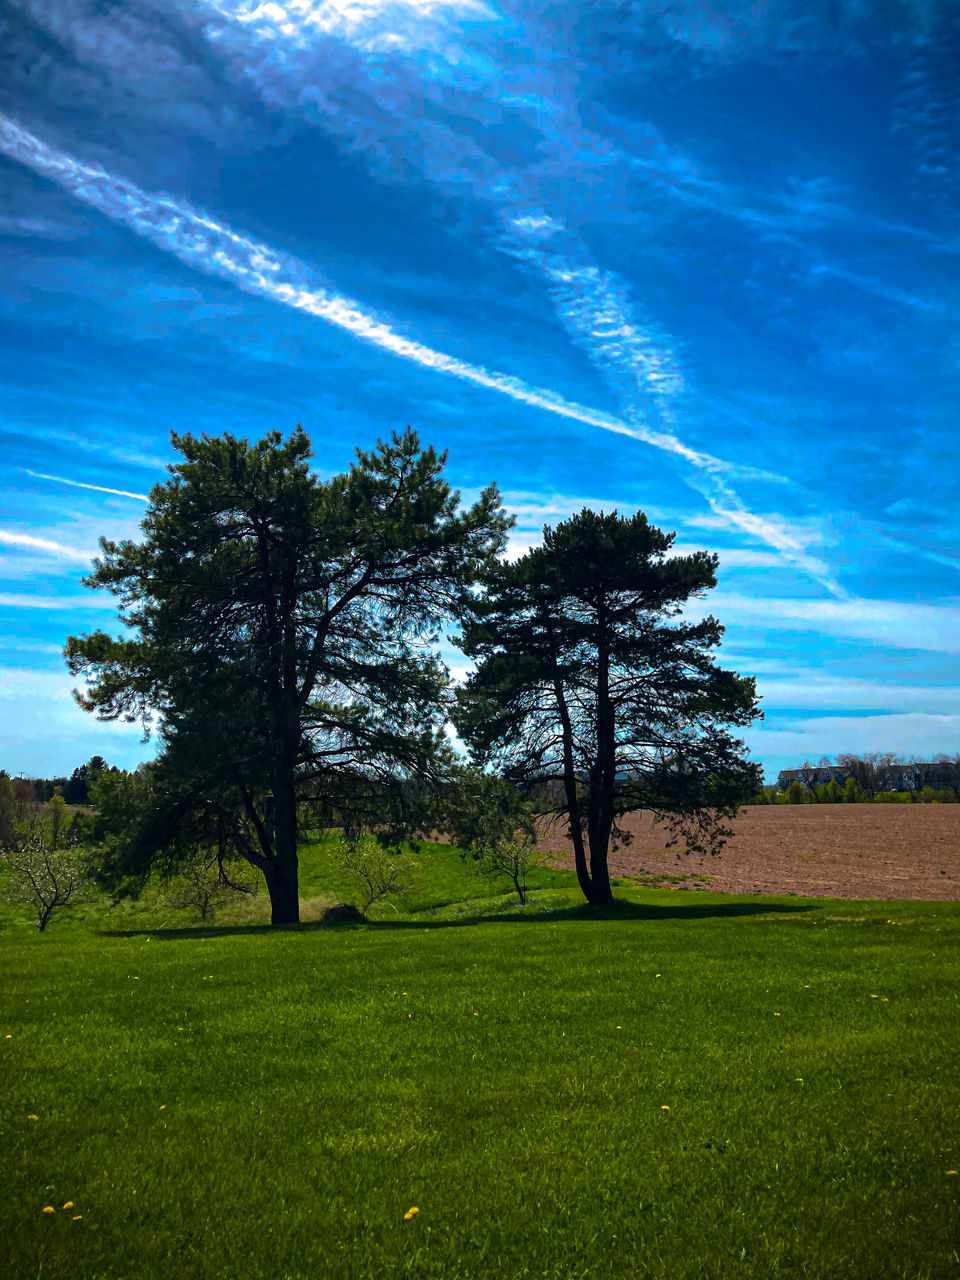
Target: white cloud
<point>373,25</point>
<point>44,732</point>
<point>829,693</point>
<point>13,600</point>
<point>908,734</point>
<point>733,557</point>
<point>935,628</point>
<point>45,546</point>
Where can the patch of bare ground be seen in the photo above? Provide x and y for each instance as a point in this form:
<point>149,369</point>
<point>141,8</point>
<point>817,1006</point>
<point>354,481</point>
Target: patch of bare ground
<point>842,851</point>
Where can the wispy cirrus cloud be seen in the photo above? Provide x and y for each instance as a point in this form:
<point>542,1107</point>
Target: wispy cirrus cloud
<point>202,242</point>
<point>29,226</point>
<point>634,354</point>
<point>638,362</point>
<point>926,116</point>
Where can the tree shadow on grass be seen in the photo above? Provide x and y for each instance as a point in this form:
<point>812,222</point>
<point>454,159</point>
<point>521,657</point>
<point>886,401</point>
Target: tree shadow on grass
<point>617,910</point>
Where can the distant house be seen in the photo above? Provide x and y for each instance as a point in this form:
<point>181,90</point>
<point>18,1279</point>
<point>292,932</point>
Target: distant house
<point>892,777</point>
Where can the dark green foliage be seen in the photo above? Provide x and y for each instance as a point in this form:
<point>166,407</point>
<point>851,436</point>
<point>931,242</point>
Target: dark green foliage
<point>8,813</point>
<point>280,635</point>
<point>77,790</point>
<point>590,681</point>
<point>852,793</point>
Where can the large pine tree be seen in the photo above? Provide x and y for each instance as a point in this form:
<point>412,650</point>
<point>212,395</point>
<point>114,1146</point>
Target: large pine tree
<point>280,634</point>
<point>591,682</point>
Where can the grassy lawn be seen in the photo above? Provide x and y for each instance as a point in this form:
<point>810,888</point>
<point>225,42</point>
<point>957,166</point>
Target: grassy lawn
<point>686,1085</point>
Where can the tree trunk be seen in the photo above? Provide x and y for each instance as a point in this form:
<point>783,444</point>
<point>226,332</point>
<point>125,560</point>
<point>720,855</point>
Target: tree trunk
<point>284,893</point>
<point>602,776</point>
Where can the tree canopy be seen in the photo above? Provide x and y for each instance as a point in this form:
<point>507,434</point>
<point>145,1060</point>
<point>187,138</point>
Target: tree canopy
<point>591,682</point>
<point>279,636</point>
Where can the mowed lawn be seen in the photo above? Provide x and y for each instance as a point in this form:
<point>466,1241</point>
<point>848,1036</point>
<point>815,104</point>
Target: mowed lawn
<point>686,1085</point>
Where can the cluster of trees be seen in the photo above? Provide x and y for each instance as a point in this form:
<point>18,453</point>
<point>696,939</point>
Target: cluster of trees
<point>48,851</point>
<point>75,789</point>
<point>851,793</point>
<point>281,641</point>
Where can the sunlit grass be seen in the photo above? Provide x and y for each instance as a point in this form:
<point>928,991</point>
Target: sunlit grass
<point>683,1085</point>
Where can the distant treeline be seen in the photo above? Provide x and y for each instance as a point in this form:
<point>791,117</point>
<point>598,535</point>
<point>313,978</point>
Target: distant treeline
<point>875,778</point>
<point>75,789</point>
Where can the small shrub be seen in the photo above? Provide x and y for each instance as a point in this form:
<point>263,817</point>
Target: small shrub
<point>343,913</point>
<point>381,872</point>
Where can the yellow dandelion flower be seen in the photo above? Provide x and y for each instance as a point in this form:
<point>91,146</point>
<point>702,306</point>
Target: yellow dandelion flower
<point>799,1079</point>
<point>33,1117</point>
<point>411,1213</point>
<point>78,1217</point>
<point>48,1208</point>
<point>619,1028</point>
<point>163,1106</point>
<point>475,1014</point>
<point>664,1108</point>
<point>776,1015</point>
<point>68,1205</point>
<point>874,997</point>
<point>656,975</point>
<point>951,1173</point>
<point>8,1037</point>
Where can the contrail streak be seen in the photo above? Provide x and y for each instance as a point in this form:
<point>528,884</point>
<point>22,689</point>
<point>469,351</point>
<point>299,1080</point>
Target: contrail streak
<point>210,246</point>
<point>77,484</point>
<point>207,245</point>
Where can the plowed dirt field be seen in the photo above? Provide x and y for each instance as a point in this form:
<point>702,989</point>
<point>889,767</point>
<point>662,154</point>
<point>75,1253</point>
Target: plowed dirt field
<point>844,851</point>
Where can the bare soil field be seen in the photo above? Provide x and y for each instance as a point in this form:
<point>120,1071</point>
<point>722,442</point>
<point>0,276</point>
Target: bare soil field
<point>843,851</point>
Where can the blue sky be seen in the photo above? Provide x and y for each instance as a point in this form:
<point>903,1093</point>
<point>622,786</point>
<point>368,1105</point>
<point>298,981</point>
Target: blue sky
<point>697,259</point>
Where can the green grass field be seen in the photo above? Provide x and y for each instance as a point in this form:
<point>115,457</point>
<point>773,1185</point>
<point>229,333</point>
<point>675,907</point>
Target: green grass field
<point>686,1085</point>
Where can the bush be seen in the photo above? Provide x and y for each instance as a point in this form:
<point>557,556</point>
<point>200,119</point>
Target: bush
<point>852,793</point>
<point>343,913</point>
